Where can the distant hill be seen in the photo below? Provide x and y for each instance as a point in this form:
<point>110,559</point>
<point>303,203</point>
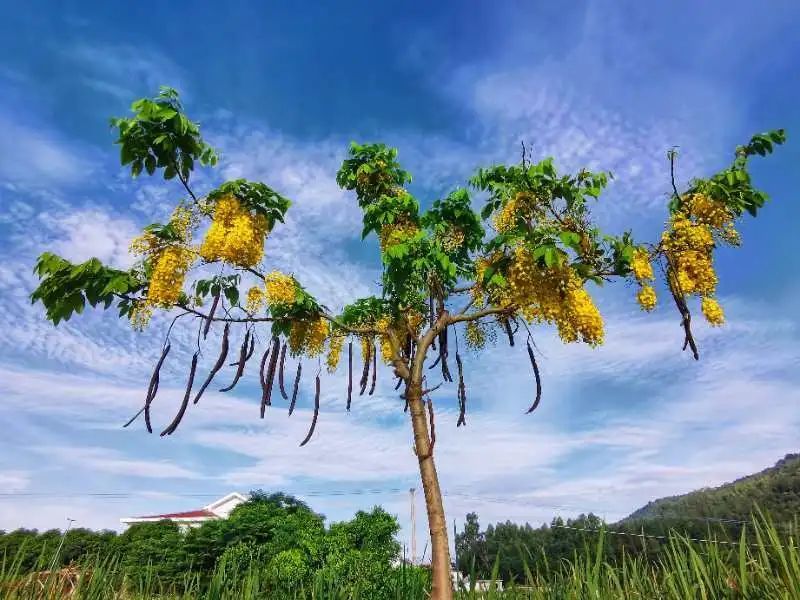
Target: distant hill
<point>775,490</point>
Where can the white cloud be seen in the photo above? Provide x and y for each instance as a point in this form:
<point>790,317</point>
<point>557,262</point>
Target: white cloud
<point>14,480</point>
<point>93,233</point>
<point>107,460</point>
<point>35,158</point>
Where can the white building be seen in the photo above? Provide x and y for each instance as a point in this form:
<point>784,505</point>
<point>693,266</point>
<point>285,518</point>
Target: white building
<point>219,509</point>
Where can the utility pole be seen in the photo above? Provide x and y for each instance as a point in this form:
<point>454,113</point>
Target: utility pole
<point>412,491</point>
<point>61,543</point>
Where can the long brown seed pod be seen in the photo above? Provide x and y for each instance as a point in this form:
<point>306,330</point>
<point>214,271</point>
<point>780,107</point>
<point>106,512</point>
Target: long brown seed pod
<point>432,423</point>
<point>462,393</point>
<point>538,379</point>
<point>170,429</point>
<point>349,374</point>
<point>250,349</point>
<point>432,318</point>
<point>262,378</point>
<point>266,396</point>
<point>296,387</point>
<point>210,318</point>
<point>314,418</point>
<point>151,392</point>
<point>223,354</point>
<point>374,370</point>
<point>280,372</point>
<point>509,333</point>
<point>240,363</point>
<point>365,372</point>
<point>443,349</point>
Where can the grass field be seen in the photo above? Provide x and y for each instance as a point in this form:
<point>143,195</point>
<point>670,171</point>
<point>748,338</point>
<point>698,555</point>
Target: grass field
<point>763,564</point>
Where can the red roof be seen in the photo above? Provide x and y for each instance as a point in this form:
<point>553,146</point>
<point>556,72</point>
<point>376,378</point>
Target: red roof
<point>191,514</point>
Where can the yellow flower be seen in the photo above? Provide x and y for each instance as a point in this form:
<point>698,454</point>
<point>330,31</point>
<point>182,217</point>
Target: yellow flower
<point>236,235</point>
<point>334,352</point>
<point>396,232</point>
<point>647,297</point>
<point>475,336</point>
<point>281,289</point>
<point>712,311</point>
<point>140,315</point>
<point>308,337</point>
<point>640,265</point>
<point>255,299</point>
<point>708,211</point>
<point>169,272</point>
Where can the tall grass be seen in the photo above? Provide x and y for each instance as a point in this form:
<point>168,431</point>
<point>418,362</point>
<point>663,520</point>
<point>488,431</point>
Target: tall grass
<point>763,563</point>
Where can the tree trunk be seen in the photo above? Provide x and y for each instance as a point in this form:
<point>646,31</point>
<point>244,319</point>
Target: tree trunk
<point>440,558</point>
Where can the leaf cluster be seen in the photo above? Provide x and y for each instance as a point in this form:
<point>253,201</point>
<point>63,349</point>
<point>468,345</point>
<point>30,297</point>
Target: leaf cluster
<point>159,135</point>
<point>372,171</point>
<point>65,288</point>
<point>219,284</point>
<point>733,185</point>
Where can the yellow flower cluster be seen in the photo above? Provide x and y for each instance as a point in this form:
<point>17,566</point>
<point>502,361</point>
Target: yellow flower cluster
<point>707,211</point>
<point>140,315</point>
<point>183,221</point>
<point>169,271</point>
<point>520,206</point>
<point>643,272</point>
<point>647,297</point>
<point>236,235</point>
<point>689,246</point>
<point>334,352</point>
<point>396,233</point>
<point>640,265</point>
<point>553,295</point>
<point>475,336</point>
<point>308,337</point>
<point>384,325</point>
<point>256,298</point>
<point>452,239</point>
<point>280,288</point>
<point>712,311</point>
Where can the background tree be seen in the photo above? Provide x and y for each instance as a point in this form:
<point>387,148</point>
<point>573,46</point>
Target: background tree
<point>443,276</point>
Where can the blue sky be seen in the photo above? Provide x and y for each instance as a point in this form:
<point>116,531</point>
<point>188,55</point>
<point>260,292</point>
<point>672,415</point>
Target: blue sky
<point>281,92</point>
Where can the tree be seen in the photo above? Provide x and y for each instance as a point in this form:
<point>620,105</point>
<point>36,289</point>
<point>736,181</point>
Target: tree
<point>442,273</point>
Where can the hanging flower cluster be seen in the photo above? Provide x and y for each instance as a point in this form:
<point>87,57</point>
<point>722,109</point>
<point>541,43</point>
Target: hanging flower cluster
<point>167,250</point>
<point>643,273</point>
<point>519,207</point>
<point>281,289</point>
<point>169,273</point>
<point>688,245</point>
<point>478,334</point>
<point>236,235</point>
<point>308,337</point>
<point>397,232</point>
<point>452,239</point>
<point>335,345</point>
<point>256,299</point>
<point>553,294</point>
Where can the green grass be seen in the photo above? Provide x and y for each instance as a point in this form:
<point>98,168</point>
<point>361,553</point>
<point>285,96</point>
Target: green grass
<point>763,564</point>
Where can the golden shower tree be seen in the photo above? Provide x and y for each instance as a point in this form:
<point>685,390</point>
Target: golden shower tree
<point>526,260</point>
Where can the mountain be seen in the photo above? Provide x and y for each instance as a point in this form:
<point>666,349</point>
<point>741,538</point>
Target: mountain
<point>775,490</point>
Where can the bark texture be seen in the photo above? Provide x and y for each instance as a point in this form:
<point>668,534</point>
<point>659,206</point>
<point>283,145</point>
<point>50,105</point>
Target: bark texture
<point>440,559</point>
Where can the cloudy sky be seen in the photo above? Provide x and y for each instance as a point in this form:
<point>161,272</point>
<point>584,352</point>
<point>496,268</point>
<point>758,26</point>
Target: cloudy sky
<point>608,85</point>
